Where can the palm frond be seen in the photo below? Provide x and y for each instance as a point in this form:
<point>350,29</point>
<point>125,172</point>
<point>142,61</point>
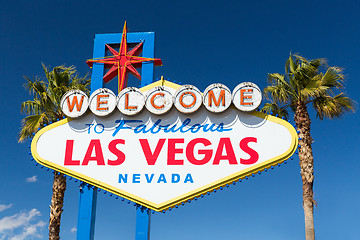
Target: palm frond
<point>323,84</point>
<point>317,63</point>
<point>30,125</point>
<point>273,108</point>
<point>57,78</point>
<point>46,71</point>
<point>333,78</point>
<point>333,107</point>
<point>36,86</point>
<point>31,107</point>
<point>305,82</point>
<point>279,91</point>
<point>47,93</point>
<point>313,88</point>
<point>290,65</point>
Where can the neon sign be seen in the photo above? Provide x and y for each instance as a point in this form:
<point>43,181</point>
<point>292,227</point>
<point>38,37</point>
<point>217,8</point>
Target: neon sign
<point>160,99</point>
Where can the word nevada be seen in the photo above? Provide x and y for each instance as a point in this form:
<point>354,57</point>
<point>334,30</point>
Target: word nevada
<point>160,99</point>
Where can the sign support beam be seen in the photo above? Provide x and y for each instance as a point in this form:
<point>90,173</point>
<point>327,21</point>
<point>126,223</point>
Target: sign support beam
<point>88,196</point>
<point>87,210</point>
<point>142,223</point>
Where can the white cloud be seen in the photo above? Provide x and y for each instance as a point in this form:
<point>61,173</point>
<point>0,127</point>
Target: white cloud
<point>32,179</point>
<point>4,207</point>
<point>21,226</point>
<point>17,220</point>
<point>74,229</point>
<point>31,230</point>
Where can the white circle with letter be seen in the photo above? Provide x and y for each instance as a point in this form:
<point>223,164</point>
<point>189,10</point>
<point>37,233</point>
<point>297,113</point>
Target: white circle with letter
<point>130,101</point>
<point>102,102</point>
<point>187,99</point>
<point>247,96</point>
<point>217,97</point>
<point>159,100</point>
<point>74,103</point>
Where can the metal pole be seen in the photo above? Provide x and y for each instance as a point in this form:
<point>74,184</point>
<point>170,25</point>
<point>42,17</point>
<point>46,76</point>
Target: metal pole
<point>88,195</point>
<point>142,231</point>
<point>142,223</point>
<point>87,210</point>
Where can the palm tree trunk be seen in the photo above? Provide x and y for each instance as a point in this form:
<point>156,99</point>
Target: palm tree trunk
<point>57,200</point>
<point>303,122</point>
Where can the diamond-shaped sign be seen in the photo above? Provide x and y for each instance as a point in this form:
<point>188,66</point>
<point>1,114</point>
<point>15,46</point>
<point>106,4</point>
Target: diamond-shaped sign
<point>160,161</point>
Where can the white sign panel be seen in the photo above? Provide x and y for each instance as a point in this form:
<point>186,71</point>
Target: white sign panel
<point>160,161</point>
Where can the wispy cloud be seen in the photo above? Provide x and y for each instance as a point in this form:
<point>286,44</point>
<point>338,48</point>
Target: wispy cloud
<point>4,207</point>
<point>74,229</point>
<point>21,225</point>
<point>31,230</point>
<point>32,179</point>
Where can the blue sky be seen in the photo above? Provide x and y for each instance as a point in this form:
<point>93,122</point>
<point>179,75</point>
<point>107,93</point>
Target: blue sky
<point>199,43</point>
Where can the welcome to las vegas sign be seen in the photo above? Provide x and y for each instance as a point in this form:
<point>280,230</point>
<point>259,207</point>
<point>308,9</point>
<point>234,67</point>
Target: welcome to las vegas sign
<point>158,159</point>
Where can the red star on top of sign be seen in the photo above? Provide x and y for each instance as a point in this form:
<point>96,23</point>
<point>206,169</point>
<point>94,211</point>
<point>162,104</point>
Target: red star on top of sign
<point>123,62</point>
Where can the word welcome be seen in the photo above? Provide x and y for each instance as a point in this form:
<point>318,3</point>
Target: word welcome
<point>160,99</point>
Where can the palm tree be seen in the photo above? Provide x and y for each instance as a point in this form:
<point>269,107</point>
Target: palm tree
<point>43,110</point>
<point>304,82</point>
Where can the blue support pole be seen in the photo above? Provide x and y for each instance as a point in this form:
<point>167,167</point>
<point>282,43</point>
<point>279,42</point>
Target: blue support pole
<point>147,71</point>
<point>87,210</point>
<point>142,231</point>
<point>88,195</point>
<point>143,216</point>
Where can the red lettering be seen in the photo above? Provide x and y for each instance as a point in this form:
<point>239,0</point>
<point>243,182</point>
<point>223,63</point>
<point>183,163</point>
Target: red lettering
<point>187,105</point>
<point>68,154</point>
<point>172,150</point>
<point>254,156</point>
<point>243,97</point>
<point>127,107</point>
<point>120,155</point>
<point>99,157</point>
<point>152,101</point>
<point>151,157</point>
<point>213,99</point>
<point>98,102</point>
<point>75,102</point>
<point>230,155</point>
<point>190,151</point>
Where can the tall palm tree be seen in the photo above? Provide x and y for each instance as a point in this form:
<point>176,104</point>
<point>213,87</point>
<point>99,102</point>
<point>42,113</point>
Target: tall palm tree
<point>304,82</point>
<point>43,110</point>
